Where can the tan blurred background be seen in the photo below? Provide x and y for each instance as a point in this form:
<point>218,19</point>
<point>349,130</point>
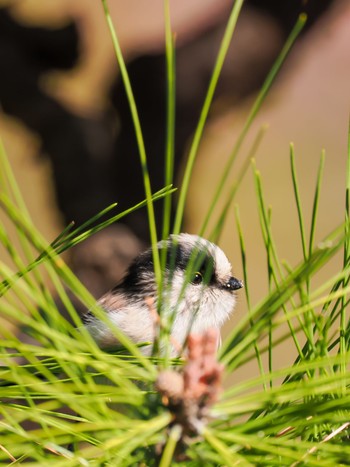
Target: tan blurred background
<point>309,106</point>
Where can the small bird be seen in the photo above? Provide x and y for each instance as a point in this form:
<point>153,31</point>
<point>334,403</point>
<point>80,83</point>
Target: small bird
<point>197,293</point>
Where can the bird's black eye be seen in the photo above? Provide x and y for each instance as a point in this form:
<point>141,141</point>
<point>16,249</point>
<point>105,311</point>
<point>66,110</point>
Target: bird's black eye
<point>197,278</point>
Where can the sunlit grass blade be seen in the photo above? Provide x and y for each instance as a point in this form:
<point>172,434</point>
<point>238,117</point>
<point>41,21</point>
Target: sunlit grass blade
<point>230,28</point>
<point>83,227</point>
<point>344,335</point>
<point>219,224</point>
<point>8,181</point>
<point>169,449</point>
<point>274,269</point>
<point>66,242</point>
<point>245,388</point>
<point>246,285</point>
<point>140,142</point>
<point>251,117</point>
<point>298,201</point>
<point>11,190</point>
<point>316,202</point>
<point>244,335</point>
<point>163,193</point>
<point>227,454</point>
<point>170,118</point>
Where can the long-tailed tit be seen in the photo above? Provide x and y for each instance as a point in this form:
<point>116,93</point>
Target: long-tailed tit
<point>197,293</point>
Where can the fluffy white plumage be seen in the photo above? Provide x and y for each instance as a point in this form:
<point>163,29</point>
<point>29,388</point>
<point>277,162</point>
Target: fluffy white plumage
<point>197,293</point>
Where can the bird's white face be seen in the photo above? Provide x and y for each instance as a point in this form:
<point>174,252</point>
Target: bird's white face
<point>198,293</point>
<point>202,296</point>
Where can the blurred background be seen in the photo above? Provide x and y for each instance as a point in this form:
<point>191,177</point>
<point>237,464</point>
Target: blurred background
<point>67,130</point>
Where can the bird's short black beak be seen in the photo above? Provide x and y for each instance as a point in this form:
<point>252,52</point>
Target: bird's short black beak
<point>234,284</point>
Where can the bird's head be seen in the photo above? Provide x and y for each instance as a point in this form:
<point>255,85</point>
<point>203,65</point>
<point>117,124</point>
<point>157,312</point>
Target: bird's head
<point>198,289</point>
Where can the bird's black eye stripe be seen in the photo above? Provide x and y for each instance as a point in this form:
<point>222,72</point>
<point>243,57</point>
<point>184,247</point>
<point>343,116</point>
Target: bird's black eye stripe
<point>199,266</point>
<point>178,257</point>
